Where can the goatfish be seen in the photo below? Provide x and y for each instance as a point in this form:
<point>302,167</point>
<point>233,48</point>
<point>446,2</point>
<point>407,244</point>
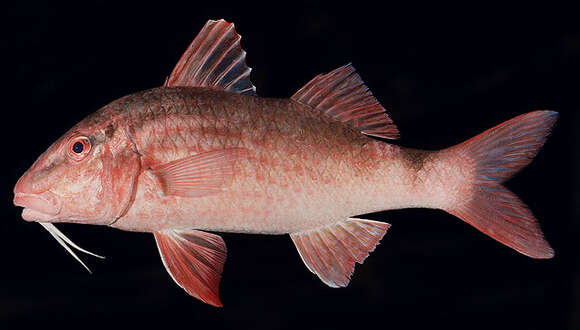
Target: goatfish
<point>204,154</point>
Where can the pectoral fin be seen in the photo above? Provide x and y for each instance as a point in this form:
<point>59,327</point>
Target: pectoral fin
<point>331,251</point>
<point>195,260</point>
<point>199,175</point>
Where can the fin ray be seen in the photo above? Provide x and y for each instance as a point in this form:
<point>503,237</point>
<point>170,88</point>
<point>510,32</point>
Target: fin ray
<point>342,95</point>
<point>199,175</point>
<point>497,154</point>
<point>214,59</point>
<point>332,251</point>
<point>195,261</point>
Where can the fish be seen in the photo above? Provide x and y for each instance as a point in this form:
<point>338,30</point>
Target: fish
<point>203,154</point>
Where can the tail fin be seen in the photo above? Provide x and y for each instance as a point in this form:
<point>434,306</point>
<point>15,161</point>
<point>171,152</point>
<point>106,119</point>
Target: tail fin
<point>497,154</point>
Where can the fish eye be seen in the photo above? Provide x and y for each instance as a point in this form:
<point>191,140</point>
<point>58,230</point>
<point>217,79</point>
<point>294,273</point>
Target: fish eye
<point>78,148</point>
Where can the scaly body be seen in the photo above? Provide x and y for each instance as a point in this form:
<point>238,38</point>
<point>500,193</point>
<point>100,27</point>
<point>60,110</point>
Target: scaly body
<point>303,170</point>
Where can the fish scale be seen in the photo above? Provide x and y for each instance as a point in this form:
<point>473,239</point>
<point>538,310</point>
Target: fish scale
<point>272,151</point>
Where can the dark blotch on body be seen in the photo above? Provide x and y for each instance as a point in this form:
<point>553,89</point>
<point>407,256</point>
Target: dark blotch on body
<point>110,131</point>
<point>415,158</point>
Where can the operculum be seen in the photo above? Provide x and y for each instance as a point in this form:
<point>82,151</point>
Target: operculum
<point>119,181</point>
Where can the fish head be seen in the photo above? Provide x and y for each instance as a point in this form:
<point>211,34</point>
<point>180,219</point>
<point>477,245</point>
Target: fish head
<point>88,176</point>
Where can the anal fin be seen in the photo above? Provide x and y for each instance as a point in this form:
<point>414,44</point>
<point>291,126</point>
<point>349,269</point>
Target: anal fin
<point>195,260</point>
<point>332,251</point>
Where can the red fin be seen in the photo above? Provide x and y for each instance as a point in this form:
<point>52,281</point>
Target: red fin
<point>199,175</point>
<point>331,252</point>
<point>342,95</point>
<point>499,153</point>
<point>214,59</point>
<point>195,260</point>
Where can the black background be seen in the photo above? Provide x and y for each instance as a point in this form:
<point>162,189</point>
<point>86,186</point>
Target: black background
<point>445,73</point>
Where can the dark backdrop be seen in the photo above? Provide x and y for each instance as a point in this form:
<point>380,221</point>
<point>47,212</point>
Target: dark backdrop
<point>445,73</point>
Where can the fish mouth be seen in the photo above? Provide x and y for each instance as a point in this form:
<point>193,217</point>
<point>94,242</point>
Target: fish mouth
<point>38,207</point>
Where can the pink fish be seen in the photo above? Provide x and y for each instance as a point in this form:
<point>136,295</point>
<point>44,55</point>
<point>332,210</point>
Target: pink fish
<point>204,154</point>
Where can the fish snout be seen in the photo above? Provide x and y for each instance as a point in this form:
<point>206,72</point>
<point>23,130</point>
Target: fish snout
<point>38,207</point>
<point>36,180</point>
<point>31,192</point>
<point>23,184</point>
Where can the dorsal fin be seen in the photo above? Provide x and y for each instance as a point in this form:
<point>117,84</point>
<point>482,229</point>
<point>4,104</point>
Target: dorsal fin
<point>214,59</point>
<point>342,95</point>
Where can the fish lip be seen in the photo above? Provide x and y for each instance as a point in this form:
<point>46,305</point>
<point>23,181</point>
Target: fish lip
<point>32,215</point>
<point>38,207</point>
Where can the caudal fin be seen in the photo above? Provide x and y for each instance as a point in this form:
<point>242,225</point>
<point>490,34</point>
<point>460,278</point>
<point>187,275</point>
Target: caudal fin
<point>497,154</point>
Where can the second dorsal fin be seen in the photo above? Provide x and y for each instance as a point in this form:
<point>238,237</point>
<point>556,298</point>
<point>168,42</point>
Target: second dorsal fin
<point>214,59</point>
<point>342,95</point>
